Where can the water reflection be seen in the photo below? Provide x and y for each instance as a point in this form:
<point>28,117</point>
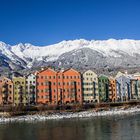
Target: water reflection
<point>113,128</point>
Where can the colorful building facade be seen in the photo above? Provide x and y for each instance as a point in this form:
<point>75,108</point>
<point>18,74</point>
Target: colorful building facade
<point>112,90</point>
<point>69,86</point>
<point>103,86</point>
<point>20,96</point>
<point>123,88</point>
<point>58,87</point>
<point>6,91</point>
<point>134,89</point>
<point>137,77</point>
<point>90,86</point>
<point>72,86</point>
<point>31,88</point>
<point>47,86</point>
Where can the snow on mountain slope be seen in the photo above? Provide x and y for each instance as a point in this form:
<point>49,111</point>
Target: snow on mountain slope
<point>105,47</point>
<point>30,53</point>
<point>52,51</point>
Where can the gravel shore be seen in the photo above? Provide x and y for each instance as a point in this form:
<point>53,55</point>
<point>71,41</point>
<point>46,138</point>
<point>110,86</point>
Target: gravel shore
<point>70,115</point>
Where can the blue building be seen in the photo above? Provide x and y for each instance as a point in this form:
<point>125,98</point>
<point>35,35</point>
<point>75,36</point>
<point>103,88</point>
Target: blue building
<point>123,84</point>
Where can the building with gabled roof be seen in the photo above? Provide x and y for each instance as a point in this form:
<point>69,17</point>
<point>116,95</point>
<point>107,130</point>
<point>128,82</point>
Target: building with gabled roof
<point>31,88</point>
<point>59,87</point>
<point>46,86</point>
<point>103,87</point>
<point>90,86</point>
<point>6,91</point>
<point>123,88</point>
<point>112,89</point>
<point>20,96</point>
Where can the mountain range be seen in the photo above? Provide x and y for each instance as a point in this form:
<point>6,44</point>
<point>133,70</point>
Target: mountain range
<point>80,54</point>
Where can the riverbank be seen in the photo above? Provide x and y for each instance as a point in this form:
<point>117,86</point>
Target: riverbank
<point>43,116</point>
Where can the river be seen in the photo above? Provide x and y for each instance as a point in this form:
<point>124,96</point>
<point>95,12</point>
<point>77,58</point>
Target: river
<point>102,128</point>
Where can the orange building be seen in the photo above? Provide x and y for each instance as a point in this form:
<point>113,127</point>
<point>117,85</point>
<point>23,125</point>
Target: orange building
<point>47,86</point>
<point>112,89</point>
<point>59,87</point>
<point>6,91</point>
<point>69,87</point>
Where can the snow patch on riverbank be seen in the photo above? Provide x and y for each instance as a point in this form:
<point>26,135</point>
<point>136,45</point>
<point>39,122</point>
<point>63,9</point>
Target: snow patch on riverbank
<point>83,114</point>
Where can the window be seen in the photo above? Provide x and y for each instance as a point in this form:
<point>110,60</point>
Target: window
<point>47,83</point>
<point>47,96</point>
<point>46,90</point>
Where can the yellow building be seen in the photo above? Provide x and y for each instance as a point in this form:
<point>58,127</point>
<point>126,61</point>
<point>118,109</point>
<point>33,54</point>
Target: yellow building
<point>90,86</point>
<point>20,96</point>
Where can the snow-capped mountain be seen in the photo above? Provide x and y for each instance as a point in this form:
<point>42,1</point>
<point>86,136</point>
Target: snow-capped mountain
<point>74,53</point>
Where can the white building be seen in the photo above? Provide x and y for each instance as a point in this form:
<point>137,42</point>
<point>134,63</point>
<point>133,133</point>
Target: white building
<point>31,88</point>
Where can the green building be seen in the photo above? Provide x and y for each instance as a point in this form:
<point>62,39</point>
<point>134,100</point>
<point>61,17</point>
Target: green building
<point>103,86</point>
<point>20,96</point>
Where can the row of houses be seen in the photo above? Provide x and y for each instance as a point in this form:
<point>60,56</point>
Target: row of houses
<point>69,86</point>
